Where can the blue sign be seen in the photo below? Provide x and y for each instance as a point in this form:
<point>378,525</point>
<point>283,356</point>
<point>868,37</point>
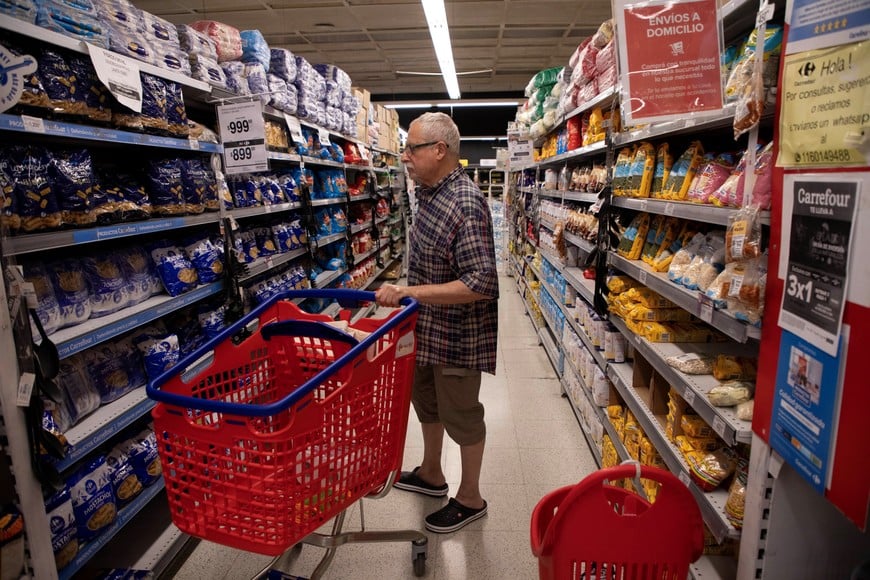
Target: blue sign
<point>815,24</point>
<point>806,406</point>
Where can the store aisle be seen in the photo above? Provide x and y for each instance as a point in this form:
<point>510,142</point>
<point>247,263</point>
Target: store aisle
<point>534,445</point>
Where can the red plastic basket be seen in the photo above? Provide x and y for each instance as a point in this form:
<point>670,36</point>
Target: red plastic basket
<point>262,442</point>
<point>593,530</point>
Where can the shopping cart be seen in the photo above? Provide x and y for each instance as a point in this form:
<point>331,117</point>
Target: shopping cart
<point>283,422</point>
<point>594,530</point>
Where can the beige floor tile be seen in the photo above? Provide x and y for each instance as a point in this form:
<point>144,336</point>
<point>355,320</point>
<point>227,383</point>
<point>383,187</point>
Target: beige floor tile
<point>549,434</point>
<point>501,465</point>
<point>470,555</point>
<point>555,467</point>
<point>529,363</point>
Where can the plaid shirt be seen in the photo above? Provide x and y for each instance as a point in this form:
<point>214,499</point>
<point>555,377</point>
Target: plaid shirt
<point>451,239</point>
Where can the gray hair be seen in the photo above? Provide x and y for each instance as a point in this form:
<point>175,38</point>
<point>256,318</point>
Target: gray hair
<point>439,127</point>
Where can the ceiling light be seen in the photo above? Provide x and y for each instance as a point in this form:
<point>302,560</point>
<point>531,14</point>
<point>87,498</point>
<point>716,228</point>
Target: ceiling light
<point>409,106</point>
<point>436,17</point>
<point>448,104</point>
<point>492,138</point>
<point>479,104</point>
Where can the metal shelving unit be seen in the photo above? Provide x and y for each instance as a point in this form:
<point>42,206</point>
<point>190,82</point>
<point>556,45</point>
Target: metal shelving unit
<point>267,263</point>
<point>683,209</point>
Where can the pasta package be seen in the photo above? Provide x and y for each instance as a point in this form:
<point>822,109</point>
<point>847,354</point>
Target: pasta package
<point>619,284</point>
<point>62,524</point>
<point>660,314</point>
<point>641,170</point>
<point>25,180</point>
<point>743,236</point>
<point>227,40</point>
<point>622,170</point>
<point>692,363</point>
<point>734,368</point>
<point>736,502</point>
<point>92,498</point>
<point>650,246</point>
<point>663,164</point>
<point>695,426</point>
<point>683,172</point>
<point>667,251</point>
<point>731,393</point>
<point>632,241</point>
<point>648,298</point>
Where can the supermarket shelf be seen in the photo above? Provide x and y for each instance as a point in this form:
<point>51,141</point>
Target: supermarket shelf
<point>324,162</point>
<point>603,99</point>
<point>712,504</point>
<point>74,44</point>
<point>693,388</point>
<point>103,135</point>
<point>585,288</point>
<point>278,115</point>
<point>326,240</point>
<point>683,297</point>
<point>387,151</point>
<point>360,197</point>
<point>357,228</point>
<point>553,259</point>
<point>328,201</point>
<point>548,223</point>
<point>683,209</point>
<point>382,170</point>
<point>332,310</point>
<point>259,210</point>
<point>357,167</point>
<point>103,424</point>
<point>125,514</point>
<point>692,124</point>
<point>269,262</point>
<point>96,330</point>
<point>595,148</point>
<point>567,195</point>
<point>552,350</point>
<point>365,255</point>
<point>575,240</point>
<point>596,353</point>
<point>24,244</point>
<point>714,567</point>
<point>279,156</point>
<point>326,278</point>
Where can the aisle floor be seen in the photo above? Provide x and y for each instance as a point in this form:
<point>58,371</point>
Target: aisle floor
<point>534,444</point>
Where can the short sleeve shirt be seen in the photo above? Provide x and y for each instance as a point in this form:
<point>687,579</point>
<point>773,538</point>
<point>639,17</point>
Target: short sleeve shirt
<point>452,239</point>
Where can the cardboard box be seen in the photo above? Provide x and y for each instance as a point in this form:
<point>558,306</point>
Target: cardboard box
<point>363,95</point>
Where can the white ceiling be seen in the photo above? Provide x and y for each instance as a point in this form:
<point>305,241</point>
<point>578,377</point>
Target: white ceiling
<point>372,39</point>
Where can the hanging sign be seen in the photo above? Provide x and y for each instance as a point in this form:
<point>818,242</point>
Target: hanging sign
<point>669,56</point>
<point>814,24</point>
<point>243,134</point>
<point>120,74</point>
<point>823,211</point>
<point>806,407</point>
<point>825,121</point>
<point>13,69</point>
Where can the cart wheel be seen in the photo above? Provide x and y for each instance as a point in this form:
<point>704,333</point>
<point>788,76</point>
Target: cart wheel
<point>420,565</point>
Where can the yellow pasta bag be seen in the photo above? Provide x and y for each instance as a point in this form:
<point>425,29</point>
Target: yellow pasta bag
<point>734,368</point>
<point>656,226</point>
<point>665,237</point>
<point>683,444</point>
<point>619,284</point>
<point>664,162</point>
<point>683,172</point>
<point>694,426</point>
<point>640,312</point>
<point>596,131</point>
<point>662,260</point>
<point>615,411</point>
<point>648,298</point>
<point>641,170</point>
<point>704,443</point>
<point>631,243</point>
<point>621,171</point>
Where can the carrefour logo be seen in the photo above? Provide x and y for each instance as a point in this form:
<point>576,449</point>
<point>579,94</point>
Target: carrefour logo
<point>13,69</point>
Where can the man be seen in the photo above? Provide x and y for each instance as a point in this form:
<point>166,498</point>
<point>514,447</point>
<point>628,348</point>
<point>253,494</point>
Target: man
<point>452,273</point>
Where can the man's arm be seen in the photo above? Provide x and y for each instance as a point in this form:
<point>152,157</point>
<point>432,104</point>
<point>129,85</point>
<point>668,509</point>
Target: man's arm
<point>455,292</point>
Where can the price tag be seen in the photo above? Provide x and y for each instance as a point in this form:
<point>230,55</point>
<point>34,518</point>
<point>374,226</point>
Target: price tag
<point>194,144</point>
<point>689,123</point>
<point>243,135</point>
<point>642,277</point>
<point>295,128</point>
<point>29,293</point>
<point>684,477</point>
<point>363,153</point>
<point>25,388</point>
<point>705,308</point>
<point>644,204</point>
<point>33,124</point>
<point>120,74</point>
<point>719,426</point>
<point>765,14</point>
<point>669,208</point>
<point>689,397</point>
<point>323,135</point>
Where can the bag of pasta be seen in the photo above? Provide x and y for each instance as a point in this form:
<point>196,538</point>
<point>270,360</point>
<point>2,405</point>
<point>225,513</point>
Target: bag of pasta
<point>743,237</point>
<point>683,172</point>
<point>731,393</point>
<point>664,162</point>
<point>632,240</point>
<point>734,368</point>
<point>709,470</point>
<point>746,297</point>
<point>736,502</point>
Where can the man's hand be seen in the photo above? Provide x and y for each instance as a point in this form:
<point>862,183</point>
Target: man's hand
<point>389,295</point>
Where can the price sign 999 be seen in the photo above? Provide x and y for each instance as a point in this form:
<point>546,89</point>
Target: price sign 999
<point>243,135</point>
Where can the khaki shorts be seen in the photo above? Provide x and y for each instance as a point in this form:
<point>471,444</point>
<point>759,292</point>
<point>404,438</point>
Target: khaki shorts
<point>449,395</point>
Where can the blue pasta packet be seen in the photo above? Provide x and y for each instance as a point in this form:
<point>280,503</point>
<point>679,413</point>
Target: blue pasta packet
<point>166,186</point>
<point>206,259</point>
<point>92,498</point>
<point>212,320</point>
<point>109,291</point>
<point>62,527</point>
<point>142,451</point>
<point>125,483</point>
<point>175,269</point>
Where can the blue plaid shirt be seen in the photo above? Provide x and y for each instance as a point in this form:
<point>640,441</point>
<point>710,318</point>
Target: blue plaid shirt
<point>451,239</point>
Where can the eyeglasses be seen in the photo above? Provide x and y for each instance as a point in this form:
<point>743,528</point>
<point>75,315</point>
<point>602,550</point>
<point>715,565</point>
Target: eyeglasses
<point>411,149</point>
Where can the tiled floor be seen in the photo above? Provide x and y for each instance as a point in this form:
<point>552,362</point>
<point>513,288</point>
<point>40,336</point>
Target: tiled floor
<point>534,445</point>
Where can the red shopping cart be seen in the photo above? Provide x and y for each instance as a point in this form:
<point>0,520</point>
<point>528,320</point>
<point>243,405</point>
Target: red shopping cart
<point>283,422</point>
<point>593,530</point>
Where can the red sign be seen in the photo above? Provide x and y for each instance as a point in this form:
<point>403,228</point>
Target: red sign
<point>670,58</point>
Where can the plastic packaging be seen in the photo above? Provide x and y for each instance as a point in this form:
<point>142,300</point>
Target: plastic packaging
<point>692,363</point>
<point>255,48</point>
<point>227,40</point>
<point>731,393</point>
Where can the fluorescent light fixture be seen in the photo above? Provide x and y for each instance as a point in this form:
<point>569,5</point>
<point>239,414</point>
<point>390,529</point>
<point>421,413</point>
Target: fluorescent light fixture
<point>493,138</point>
<point>449,104</point>
<point>436,17</point>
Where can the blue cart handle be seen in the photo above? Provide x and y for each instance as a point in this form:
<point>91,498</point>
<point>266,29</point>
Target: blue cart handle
<point>198,360</point>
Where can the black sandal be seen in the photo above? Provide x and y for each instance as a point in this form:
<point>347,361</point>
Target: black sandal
<point>452,517</point>
<point>410,481</point>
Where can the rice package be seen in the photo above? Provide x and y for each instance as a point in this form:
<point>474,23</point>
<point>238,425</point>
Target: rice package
<point>683,171</point>
<point>707,263</point>
<point>175,270</point>
<point>746,299</point>
<point>255,48</point>
<point>282,63</point>
<point>71,290</point>
<point>92,498</point>
<point>72,179</point>
<point>62,525</point>
<point>227,40</point>
<point>208,70</point>
<point>193,41</point>
<point>743,237</point>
